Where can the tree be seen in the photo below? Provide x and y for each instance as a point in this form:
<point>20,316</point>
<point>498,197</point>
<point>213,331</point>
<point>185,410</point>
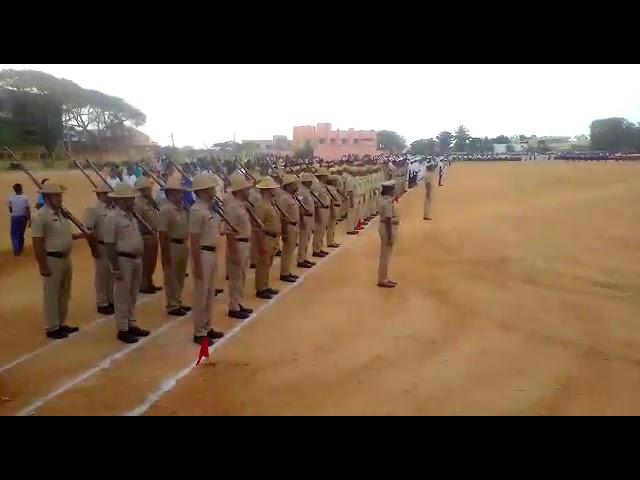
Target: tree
<point>614,134</point>
<point>425,146</point>
<point>390,141</point>
<point>474,145</point>
<point>500,140</point>
<point>82,109</point>
<point>543,147</point>
<point>462,137</point>
<point>444,139</point>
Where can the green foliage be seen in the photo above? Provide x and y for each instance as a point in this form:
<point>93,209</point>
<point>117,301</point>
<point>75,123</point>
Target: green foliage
<point>461,139</point>
<point>390,141</point>
<point>614,134</point>
<point>425,146</point>
<point>444,139</point>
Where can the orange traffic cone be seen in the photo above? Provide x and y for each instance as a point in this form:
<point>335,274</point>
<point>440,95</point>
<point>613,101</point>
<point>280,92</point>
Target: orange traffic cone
<point>204,350</point>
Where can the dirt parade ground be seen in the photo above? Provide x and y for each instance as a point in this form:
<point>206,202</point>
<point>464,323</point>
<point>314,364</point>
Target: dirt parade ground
<point>521,297</point>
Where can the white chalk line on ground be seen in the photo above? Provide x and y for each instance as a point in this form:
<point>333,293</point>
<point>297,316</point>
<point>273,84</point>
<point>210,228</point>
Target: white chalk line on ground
<point>102,364</point>
<point>54,343</point>
<point>172,381</point>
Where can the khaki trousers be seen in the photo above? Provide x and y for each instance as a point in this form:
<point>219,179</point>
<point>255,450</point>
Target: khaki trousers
<point>385,255</point>
<point>125,292</point>
<point>331,229</point>
<point>237,276</point>
<point>305,232</point>
<point>288,250</point>
<point>174,277</point>
<point>149,258</point>
<point>203,293</point>
<point>351,217</point>
<point>428,198</point>
<point>57,291</point>
<point>103,279</point>
<point>320,228</point>
<point>254,246</point>
<point>265,260</point>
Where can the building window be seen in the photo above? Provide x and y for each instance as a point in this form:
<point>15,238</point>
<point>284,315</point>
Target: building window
<point>344,141</point>
<point>356,141</point>
<point>332,141</point>
<point>321,141</point>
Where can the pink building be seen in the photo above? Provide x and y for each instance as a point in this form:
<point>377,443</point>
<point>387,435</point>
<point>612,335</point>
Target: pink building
<point>333,144</point>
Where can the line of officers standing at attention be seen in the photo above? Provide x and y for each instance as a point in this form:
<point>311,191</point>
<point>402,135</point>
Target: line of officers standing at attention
<point>260,216</point>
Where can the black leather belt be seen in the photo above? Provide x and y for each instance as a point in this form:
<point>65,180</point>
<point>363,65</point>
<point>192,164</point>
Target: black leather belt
<point>308,214</point>
<point>293,224</point>
<point>271,234</point>
<point>177,241</point>
<point>244,240</point>
<point>207,248</point>
<point>324,207</point>
<point>57,254</point>
<point>337,205</point>
<point>127,255</point>
<point>101,242</point>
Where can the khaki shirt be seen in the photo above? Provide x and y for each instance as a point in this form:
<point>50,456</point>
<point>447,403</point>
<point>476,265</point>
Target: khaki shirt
<point>202,220</point>
<point>122,229</point>
<point>147,212</point>
<point>322,194</point>
<point>269,217</point>
<point>290,207</point>
<point>388,209</point>
<point>337,203</point>
<point>254,196</point>
<point>54,228</point>
<point>173,220</point>
<point>236,212</point>
<point>94,218</point>
<point>307,200</point>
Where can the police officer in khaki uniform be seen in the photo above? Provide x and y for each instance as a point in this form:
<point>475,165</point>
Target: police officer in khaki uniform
<point>173,227</point>
<point>334,211</point>
<point>305,227</point>
<point>125,247</point>
<point>322,212</point>
<point>389,221</point>
<point>238,237</point>
<point>204,230</point>
<point>147,208</point>
<point>52,244</point>
<point>254,200</point>
<point>94,218</point>
<point>429,183</point>
<point>267,238</point>
<point>291,209</point>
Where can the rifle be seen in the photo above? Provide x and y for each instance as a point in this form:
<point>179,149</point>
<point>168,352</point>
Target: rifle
<point>152,176</point>
<point>310,191</point>
<point>325,187</point>
<point>65,212</point>
<point>294,196</point>
<point>135,214</point>
<point>84,172</point>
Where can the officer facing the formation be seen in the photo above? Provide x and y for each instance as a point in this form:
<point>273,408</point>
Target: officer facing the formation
<point>429,183</point>
<point>204,230</point>
<point>322,204</point>
<point>306,220</point>
<point>237,242</point>
<point>389,221</point>
<point>173,226</point>
<point>52,243</point>
<point>94,220</point>
<point>268,238</point>
<point>291,209</point>
<point>147,208</point>
<point>124,245</point>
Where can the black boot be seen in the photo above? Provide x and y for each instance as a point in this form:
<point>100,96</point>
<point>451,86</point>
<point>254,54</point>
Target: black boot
<point>127,337</point>
<point>239,314</point>
<point>264,294</point>
<point>214,334</point>
<point>56,334</point>
<point>68,329</point>
<point>138,332</point>
<point>247,310</point>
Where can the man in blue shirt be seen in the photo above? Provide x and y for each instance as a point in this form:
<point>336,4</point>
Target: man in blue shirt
<point>20,218</point>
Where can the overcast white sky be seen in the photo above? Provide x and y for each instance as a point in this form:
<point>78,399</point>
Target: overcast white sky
<point>208,103</point>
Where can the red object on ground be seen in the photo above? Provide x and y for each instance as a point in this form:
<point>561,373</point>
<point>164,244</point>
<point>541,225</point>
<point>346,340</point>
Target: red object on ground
<point>359,225</point>
<point>204,349</point>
